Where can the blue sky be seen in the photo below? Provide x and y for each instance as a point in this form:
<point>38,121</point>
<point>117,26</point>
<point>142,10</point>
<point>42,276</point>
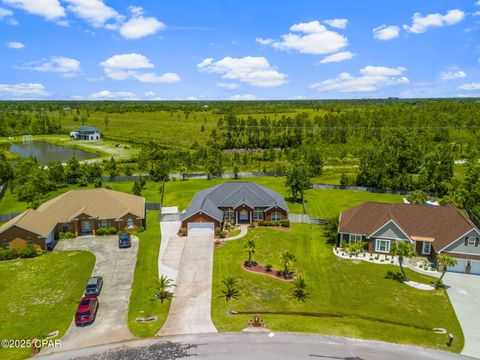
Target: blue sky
<point>244,49</point>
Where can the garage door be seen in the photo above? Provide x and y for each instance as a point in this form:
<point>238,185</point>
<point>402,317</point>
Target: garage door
<point>461,265</point>
<point>201,226</point>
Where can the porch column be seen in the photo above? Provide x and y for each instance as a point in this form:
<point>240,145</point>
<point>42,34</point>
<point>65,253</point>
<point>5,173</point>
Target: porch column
<point>75,228</point>
<point>251,217</point>
<point>236,215</point>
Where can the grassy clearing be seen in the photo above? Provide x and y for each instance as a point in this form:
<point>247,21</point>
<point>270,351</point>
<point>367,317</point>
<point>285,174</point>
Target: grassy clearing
<point>40,295</point>
<point>374,307</point>
<point>145,282</point>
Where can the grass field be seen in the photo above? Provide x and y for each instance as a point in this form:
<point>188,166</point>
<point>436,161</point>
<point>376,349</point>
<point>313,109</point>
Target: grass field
<point>373,306</point>
<point>40,295</point>
<point>146,281</point>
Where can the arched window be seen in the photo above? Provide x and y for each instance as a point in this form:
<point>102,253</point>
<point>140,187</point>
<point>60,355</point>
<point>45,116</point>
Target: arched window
<point>129,223</point>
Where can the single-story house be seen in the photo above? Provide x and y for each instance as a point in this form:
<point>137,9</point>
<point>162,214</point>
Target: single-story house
<point>86,133</point>
<point>234,202</point>
<point>81,212</point>
<point>434,230</point>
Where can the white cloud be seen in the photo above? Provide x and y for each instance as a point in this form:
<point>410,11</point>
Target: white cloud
<point>308,38</point>
<point>478,3</point>
<point>127,66</point>
<point>22,91</point>
<point>48,9</point>
<point>255,71</point>
<point>476,13</point>
<point>15,45</point>
<point>372,78</point>
<point>451,75</point>
<point>337,57</point>
<point>421,23</point>
<point>385,32</point>
<point>474,86</point>
<point>337,23</point>
<point>94,12</point>
<point>228,86</point>
<point>139,26</point>
<point>243,97</point>
<point>5,13</point>
<point>65,66</point>
<point>113,95</point>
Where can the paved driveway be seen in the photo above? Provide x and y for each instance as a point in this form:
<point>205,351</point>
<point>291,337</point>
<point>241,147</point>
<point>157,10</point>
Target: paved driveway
<point>117,267</point>
<point>464,293</point>
<point>191,305</point>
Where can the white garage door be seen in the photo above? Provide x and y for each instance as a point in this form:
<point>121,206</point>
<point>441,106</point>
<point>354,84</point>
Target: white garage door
<point>461,265</point>
<point>201,227</point>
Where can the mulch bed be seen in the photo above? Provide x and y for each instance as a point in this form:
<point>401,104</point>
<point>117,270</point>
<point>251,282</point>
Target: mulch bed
<point>260,269</point>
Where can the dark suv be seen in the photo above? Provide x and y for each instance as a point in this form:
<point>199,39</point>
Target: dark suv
<point>124,240</point>
<point>94,286</point>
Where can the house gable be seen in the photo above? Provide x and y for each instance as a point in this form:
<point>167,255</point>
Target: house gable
<point>390,230</point>
<point>458,246</point>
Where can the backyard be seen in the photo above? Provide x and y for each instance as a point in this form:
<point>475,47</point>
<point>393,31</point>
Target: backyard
<point>372,306</point>
<point>40,296</point>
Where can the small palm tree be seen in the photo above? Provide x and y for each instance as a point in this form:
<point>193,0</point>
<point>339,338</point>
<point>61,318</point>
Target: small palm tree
<point>402,249</point>
<point>287,259</point>
<point>164,293</point>
<point>299,289</point>
<point>230,290</point>
<point>444,261</point>
<point>250,249</point>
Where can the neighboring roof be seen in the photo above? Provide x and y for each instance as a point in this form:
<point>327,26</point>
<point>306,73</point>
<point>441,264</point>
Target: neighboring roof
<point>100,203</point>
<point>87,128</point>
<point>232,195</point>
<point>443,224</point>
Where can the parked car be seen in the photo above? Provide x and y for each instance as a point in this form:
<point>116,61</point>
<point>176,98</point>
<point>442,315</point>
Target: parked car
<point>86,310</point>
<point>94,286</point>
<point>124,240</point>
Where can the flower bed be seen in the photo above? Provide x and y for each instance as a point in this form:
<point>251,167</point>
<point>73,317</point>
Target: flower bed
<point>260,269</point>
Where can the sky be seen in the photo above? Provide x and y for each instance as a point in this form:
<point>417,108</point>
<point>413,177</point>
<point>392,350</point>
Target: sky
<point>238,50</point>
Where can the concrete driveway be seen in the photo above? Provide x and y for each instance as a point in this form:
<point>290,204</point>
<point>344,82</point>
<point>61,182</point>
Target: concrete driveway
<point>191,305</point>
<point>117,267</point>
<point>464,293</point>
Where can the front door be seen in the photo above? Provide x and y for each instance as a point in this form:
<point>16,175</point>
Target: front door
<point>243,216</point>
<point>468,267</point>
<point>86,226</point>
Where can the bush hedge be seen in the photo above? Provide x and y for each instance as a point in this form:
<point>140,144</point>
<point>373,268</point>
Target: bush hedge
<point>106,231</point>
<point>28,252</point>
<point>66,235</point>
<point>282,223</point>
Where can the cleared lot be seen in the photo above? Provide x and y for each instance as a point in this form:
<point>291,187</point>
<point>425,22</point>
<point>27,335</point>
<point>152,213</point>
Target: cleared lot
<point>116,266</point>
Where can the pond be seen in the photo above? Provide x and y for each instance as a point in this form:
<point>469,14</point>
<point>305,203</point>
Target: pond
<point>46,152</point>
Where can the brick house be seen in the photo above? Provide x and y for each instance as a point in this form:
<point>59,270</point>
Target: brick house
<point>235,202</point>
<point>81,212</point>
<point>434,230</point>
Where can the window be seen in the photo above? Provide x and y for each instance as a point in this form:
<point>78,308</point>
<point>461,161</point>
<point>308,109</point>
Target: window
<point>427,248</point>
<point>471,241</point>
<point>65,228</point>
<point>229,215</point>
<point>5,244</point>
<point>354,238</point>
<point>258,214</point>
<point>382,245</point>
<point>276,216</point>
<point>129,223</point>
<point>104,224</point>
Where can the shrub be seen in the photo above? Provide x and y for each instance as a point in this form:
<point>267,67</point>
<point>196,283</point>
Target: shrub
<point>106,231</point>
<point>140,229</point>
<point>285,223</point>
<point>98,182</point>
<point>82,182</point>
<point>28,252</point>
<point>66,235</point>
<point>269,223</point>
<point>268,267</point>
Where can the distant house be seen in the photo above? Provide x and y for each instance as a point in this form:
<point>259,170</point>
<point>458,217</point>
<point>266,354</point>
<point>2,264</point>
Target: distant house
<point>78,211</point>
<point>86,133</point>
<point>434,230</point>
<point>235,202</point>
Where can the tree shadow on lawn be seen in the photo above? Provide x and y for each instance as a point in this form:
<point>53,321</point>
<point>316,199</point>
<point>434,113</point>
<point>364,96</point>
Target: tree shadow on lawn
<point>395,276</point>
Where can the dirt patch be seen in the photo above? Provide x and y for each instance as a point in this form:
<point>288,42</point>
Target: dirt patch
<point>260,269</point>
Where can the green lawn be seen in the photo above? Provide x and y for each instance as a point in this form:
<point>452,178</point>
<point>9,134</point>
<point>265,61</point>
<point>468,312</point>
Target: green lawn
<point>373,307</point>
<point>146,281</point>
<point>40,295</point>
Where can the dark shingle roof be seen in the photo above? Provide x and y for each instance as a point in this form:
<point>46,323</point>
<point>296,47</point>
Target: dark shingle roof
<point>443,223</point>
<point>233,194</point>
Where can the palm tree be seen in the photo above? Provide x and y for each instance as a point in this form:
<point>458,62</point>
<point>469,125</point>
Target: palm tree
<point>300,289</point>
<point>444,261</point>
<point>230,291</point>
<point>250,249</point>
<point>287,258</point>
<point>164,286</point>
<point>402,249</point>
